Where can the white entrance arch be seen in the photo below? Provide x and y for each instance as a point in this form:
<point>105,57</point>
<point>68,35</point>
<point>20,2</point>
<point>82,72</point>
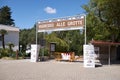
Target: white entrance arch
<point>62,24</point>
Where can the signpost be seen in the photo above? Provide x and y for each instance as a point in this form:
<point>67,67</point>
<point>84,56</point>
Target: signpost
<point>52,47</point>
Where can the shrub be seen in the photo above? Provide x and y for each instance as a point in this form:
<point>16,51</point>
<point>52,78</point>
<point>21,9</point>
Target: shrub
<point>7,53</point>
<point>4,52</point>
<point>44,51</point>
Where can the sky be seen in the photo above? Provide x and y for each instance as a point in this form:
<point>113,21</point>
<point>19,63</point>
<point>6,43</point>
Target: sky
<point>28,12</point>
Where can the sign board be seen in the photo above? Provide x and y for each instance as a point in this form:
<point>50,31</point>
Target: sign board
<point>89,56</point>
<point>34,52</point>
<point>52,47</point>
<point>61,24</point>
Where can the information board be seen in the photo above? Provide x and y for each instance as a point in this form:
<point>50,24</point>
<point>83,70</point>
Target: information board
<point>52,47</point>
<point>89,56</point>
<point>34,52</point>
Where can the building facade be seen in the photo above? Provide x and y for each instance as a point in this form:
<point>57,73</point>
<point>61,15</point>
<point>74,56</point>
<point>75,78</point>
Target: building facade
<point>12,36</point>
<point>108,51</point>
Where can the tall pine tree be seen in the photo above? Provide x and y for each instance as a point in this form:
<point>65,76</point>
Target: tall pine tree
<point>5,16</point>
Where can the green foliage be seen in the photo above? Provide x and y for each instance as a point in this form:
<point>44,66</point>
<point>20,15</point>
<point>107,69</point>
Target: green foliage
<point>24,38</point>
<point>44,52</point>
<point>61,45</point>
<point>7,53</point>
<point>5,16</point>
<point>103,20</point>
<point>71,41</point>
<point>10,45</point>
<point>28,37</point>
<point>75,40</point>
<point>4,52</point>
<point>65,40</point>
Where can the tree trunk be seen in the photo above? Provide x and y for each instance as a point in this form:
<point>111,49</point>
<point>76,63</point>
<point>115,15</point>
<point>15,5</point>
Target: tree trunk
<point>3,42</point>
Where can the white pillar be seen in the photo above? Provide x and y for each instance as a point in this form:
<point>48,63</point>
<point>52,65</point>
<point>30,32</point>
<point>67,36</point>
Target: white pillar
<point>34,52</point>
<point>89,56</point>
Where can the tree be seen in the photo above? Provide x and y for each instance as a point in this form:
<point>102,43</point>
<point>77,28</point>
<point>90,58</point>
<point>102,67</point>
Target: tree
<point>61,45</point>
<point>24,38</point>
<point>28,37</point>
<point>103,19</point>
<point>71,41</point>
<point>5,16</point>
<point>74,39</point>
<point>3,32</point>
<point>10,45</point>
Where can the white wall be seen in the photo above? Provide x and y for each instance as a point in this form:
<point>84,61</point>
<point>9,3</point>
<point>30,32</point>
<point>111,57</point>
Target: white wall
<point>13,37</point>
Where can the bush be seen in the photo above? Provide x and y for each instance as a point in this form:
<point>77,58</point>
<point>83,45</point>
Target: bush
<point>44,51</point>
<point>6,53</point>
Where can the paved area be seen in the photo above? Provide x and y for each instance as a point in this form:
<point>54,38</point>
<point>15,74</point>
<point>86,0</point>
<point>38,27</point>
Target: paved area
<point>53,70</point>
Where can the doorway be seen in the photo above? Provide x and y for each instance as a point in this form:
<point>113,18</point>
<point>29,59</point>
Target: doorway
<point>118,53</point>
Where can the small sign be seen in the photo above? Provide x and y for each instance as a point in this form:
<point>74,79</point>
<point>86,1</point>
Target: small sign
<point>89,56</point>
<point>52,47</point>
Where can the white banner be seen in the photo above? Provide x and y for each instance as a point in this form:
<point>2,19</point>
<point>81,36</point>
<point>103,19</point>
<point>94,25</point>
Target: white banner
<point>89,56</point>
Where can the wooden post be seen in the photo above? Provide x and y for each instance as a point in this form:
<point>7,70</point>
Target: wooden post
<point>16,54</point>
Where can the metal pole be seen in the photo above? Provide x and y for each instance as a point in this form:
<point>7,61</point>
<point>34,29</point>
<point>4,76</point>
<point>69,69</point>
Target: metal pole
<point>36,33</point>
<point>109,56</point>
<point>85,29</point>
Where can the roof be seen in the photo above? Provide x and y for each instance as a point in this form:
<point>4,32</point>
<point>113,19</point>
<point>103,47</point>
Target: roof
<point>104,43</point>
<point>9,28</point>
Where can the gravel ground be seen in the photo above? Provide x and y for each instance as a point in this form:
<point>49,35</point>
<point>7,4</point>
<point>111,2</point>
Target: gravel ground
<point>54,70</point>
